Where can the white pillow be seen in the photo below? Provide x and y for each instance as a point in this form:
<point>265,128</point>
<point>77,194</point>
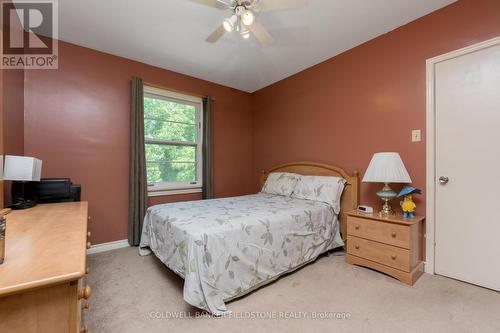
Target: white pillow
<point>280,183</point>
<point>320,188</point>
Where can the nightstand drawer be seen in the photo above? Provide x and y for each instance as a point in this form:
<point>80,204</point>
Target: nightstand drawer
<point>388,233</point>
<point>384,254</point>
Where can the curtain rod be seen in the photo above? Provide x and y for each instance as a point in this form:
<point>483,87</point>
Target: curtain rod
<point>175,90</point>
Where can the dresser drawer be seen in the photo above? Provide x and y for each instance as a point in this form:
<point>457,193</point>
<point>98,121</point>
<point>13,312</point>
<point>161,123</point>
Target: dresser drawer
<point>384,254</point>
<point>388,233</point>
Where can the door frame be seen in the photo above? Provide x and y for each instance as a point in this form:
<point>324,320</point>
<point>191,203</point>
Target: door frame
<point>431,145</point>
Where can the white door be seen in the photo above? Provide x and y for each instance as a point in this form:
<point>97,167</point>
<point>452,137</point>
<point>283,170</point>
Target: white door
<point>467,200</point>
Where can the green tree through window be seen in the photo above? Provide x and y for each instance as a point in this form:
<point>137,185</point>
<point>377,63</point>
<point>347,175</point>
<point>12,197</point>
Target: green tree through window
<point>171,131</point>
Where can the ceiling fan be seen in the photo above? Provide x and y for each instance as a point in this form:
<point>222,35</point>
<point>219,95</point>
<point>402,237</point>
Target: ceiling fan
<point>243,19</point>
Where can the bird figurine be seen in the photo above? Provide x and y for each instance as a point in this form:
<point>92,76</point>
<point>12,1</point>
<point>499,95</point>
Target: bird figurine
<point>407,205</point>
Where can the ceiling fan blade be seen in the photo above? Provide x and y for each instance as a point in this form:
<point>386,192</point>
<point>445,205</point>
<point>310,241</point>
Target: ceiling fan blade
<point>264,38</point>
<point>272,5</point>
<point>219,4</point>
<point>216,35</point>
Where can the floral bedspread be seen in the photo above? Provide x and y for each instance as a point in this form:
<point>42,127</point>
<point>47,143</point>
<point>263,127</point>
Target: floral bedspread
<point>224,248</point>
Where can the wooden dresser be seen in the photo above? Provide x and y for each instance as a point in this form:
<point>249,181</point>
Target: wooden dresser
<point>391,245</point>
<point>41,279</point>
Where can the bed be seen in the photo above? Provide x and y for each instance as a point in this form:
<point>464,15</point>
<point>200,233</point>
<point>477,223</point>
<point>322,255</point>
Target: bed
<point>226,248</point>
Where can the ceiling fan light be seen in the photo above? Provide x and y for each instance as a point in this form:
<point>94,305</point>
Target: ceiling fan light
<point>248,17</point>
<point>229,23</point>
<point>246,34</point>
<point>227,26</point>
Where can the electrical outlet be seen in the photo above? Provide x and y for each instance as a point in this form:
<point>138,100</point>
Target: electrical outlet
<point>416,136</point>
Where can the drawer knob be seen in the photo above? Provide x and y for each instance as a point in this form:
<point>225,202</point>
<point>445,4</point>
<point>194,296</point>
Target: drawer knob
<point>356,227</point>
<point>85,305</point>
<point>84,329</point>
<point>393,234</point>
<point>89,244</point>
<point>89,234</point>
<point>87,270</point>
<point>85,292</point>
<point>393,257</point>
<point>356,247</point>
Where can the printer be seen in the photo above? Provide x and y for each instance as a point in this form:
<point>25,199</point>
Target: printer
<point>47,190</point>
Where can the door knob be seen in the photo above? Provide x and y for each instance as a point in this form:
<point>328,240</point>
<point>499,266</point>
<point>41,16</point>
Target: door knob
<point>443,180</point>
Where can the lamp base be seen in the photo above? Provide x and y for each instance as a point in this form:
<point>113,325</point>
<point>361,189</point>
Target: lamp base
<point>22,195</point>
<point>19,203</point>
<point>386,194</point>
<point>386,208</point>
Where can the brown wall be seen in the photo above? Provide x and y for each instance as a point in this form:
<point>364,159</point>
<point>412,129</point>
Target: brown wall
<point>77,122</point>
<point>13,118</point>
<point>1,133</point>
<point>12,105</point>
<point>367,99</point>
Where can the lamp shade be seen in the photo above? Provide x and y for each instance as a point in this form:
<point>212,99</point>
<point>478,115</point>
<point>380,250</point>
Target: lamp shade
<point>386,168</point>
<point>22,168</point>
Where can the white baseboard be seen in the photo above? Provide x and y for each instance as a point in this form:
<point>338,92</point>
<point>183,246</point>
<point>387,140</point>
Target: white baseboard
<point>103,247</point>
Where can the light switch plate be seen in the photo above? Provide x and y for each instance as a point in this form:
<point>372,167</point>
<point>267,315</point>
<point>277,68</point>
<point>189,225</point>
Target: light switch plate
<point>416,136</point>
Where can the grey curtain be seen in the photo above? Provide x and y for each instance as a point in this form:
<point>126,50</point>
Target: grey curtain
<point>208,180</point>
<point>137,180</point>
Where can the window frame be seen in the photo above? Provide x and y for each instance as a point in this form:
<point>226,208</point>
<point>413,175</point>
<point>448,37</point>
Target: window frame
<point>171,188</point>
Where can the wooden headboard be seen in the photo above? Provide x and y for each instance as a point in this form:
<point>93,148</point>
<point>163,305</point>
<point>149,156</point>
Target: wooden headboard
<point>350,196</point>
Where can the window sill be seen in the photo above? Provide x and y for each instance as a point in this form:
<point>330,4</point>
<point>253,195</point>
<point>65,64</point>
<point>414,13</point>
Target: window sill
<point>174,192</point>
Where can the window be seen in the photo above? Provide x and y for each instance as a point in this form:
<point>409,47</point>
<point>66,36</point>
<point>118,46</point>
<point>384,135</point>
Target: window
<point>173,141</point>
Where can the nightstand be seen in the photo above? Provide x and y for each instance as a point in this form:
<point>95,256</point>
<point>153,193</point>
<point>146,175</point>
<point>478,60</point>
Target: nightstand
<point>389,244</point>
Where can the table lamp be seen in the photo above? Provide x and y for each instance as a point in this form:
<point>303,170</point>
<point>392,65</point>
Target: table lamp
<point>386,168</point>
<point>23,169</point>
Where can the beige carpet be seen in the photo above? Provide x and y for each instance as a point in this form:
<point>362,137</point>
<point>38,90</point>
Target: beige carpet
<point>127,288</point>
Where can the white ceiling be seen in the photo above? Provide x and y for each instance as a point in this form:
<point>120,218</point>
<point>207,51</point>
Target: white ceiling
<point>171,34</point>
